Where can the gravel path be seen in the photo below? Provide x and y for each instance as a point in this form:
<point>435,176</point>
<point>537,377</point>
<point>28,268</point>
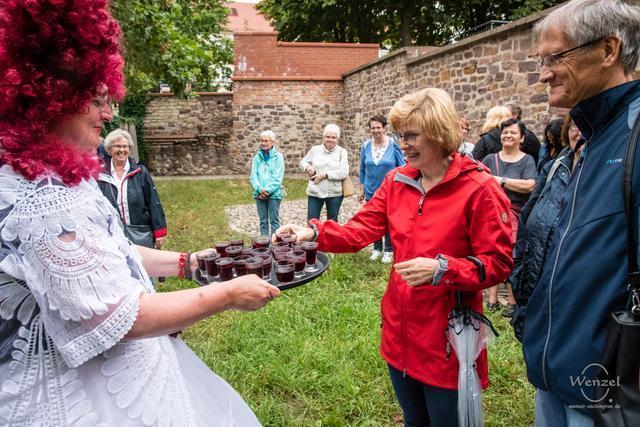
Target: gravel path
<point>244,218</point>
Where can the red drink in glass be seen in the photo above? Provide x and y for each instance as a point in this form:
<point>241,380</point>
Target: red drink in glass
<point>237,241</point>
<point>281,252</point>
<point>260,242</point>
<point>280,236</point>
<point>285,271</point>
<point>311,249</point>
<point>221,248</point>
<point>299,259</point>
<point>290,239</point>
<point>225,268</point>
<point>234,251</point>
<point>210,263</point>
<point>266,267</point>
<point>254,266</point>
<point>240,264</point>
<point>261,252</point>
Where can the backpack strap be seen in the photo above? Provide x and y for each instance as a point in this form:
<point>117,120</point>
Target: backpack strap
<point>497,160</point>
<point>552,171</point>
<point>632,241</point>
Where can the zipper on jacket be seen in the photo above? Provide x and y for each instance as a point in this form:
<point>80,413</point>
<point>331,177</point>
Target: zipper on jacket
<point>404,373</point>
<point>420,204</point>
<point>555,265</point>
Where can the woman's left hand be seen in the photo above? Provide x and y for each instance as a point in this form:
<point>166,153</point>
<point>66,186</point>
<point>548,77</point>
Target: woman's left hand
<point>159,241</point>
<point>417,271</point>
<point>319,177</point>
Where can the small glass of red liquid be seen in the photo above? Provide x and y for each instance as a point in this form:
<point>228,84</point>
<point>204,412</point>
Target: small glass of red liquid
<point>299,259</point>
<point>221,248</point>
<point>311,250</point>
<point>236,241</point>
<point>266,267</point>
<point>277,245</point>
<point>247,251</point>
<point>261,252</point>
<point>209,259</point>
<point>234,251</point>
<point>297,246</point>
<point>254,266</point>
<point>240,264</point>
<point>281,252</point>
<point>280,236</point>
<point>260,242</point>
<point>285,271</point>
<point>290,239</point>
<point>225,268</point>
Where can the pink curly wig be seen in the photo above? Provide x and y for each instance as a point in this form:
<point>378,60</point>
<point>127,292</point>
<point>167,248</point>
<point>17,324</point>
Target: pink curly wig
<point>54,55</point>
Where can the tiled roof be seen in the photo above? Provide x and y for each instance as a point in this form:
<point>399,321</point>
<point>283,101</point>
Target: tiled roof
<point>245,17</point>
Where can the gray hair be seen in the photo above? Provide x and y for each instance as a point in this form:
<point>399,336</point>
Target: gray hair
<point>331,128</point>
<point>583,21</point>
<point>117,135</point>
<point>268,134</point>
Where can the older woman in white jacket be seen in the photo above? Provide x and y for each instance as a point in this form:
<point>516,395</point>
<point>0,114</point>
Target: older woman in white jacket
<point>327,165</point>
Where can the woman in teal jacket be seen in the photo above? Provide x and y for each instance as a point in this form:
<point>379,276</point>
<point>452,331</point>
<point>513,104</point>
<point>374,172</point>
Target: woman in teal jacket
<point>267,173</point>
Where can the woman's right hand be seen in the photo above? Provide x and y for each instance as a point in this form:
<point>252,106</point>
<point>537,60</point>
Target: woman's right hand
<point>303,234</point>
<point>249,292</point>
<point>310,171</point>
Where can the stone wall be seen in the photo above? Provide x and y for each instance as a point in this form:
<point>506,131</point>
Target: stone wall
<point>295,110</point>
<point>190,136</point>
<point>492,68</point>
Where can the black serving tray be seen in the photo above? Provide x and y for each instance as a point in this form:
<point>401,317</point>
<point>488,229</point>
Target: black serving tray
<point>322,261</point>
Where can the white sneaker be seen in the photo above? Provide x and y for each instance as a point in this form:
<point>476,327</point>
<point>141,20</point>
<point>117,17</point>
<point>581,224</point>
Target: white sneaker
<point>387,257</point>
<point>375,254</point>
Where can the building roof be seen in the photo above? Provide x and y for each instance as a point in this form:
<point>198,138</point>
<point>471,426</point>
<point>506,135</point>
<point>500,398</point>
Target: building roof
<point>245,17</point>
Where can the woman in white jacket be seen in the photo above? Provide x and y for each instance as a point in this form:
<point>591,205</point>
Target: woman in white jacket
<point>327,165</point>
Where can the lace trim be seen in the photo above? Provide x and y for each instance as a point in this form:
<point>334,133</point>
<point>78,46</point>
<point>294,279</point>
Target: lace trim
<point>106,335</point>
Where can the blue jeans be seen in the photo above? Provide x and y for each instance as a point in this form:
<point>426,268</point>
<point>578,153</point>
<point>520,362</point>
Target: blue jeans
<point>377,245</point>
<point>552,412</point>
<point>424,405</point>
<point>269,214</point>
<point>314,207</point>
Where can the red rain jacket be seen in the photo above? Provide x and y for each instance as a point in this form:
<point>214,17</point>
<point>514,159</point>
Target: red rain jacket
<point>464,214</point>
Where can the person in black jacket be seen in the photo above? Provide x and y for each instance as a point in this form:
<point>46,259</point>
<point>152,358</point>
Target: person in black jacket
<point>489,141</point>
<point>531,144</point>
<point>130,189</point>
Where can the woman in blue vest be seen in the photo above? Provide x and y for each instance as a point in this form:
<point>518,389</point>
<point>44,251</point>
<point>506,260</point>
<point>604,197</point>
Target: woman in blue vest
<point>267,173</point>
<point>378,155</point>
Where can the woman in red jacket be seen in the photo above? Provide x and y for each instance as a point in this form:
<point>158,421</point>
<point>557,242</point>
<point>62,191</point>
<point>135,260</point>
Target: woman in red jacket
<point>448,219</point>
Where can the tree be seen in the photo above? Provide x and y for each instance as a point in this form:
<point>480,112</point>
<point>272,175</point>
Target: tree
<point>390,23</point>
<point>173,41</point>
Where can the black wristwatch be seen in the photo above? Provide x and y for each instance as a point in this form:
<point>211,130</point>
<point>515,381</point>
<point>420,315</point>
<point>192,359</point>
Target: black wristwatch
<point>503,181</point>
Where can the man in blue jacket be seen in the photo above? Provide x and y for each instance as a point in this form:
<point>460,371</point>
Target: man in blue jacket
<point>588,50</point>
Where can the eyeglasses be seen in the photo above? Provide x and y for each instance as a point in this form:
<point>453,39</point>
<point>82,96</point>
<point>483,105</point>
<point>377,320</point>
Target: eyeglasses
<point>103,104</point>
<point>408,137</point>
<point>554,59</point>
<point>120,147</point>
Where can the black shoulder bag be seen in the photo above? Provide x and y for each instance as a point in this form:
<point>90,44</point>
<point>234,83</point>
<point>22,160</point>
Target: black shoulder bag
<point>618,390</point>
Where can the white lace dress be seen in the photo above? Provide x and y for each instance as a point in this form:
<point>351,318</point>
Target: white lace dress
<point>65,306</point>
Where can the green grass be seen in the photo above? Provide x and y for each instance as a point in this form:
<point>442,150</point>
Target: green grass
<point>310,358</point>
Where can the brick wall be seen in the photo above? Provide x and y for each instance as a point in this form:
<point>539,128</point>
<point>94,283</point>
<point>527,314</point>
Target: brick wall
<point>260,56</point>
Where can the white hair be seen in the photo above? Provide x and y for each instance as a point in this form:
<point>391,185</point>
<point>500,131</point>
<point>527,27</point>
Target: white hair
<point>117,135</point>
<point>331,128</point>
<point>268,134</point>
<point>583,21</point>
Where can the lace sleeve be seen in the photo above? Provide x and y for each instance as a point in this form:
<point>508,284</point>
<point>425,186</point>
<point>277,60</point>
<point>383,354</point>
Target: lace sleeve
<point>72,255</point>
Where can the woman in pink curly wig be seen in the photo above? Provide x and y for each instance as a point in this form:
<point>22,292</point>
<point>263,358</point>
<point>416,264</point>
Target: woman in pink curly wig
<point>85,339</point>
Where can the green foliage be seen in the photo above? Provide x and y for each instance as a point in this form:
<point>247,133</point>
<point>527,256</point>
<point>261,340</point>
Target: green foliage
<point>391,23</point>
<point>175,42</point>
<point>311,357</point>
